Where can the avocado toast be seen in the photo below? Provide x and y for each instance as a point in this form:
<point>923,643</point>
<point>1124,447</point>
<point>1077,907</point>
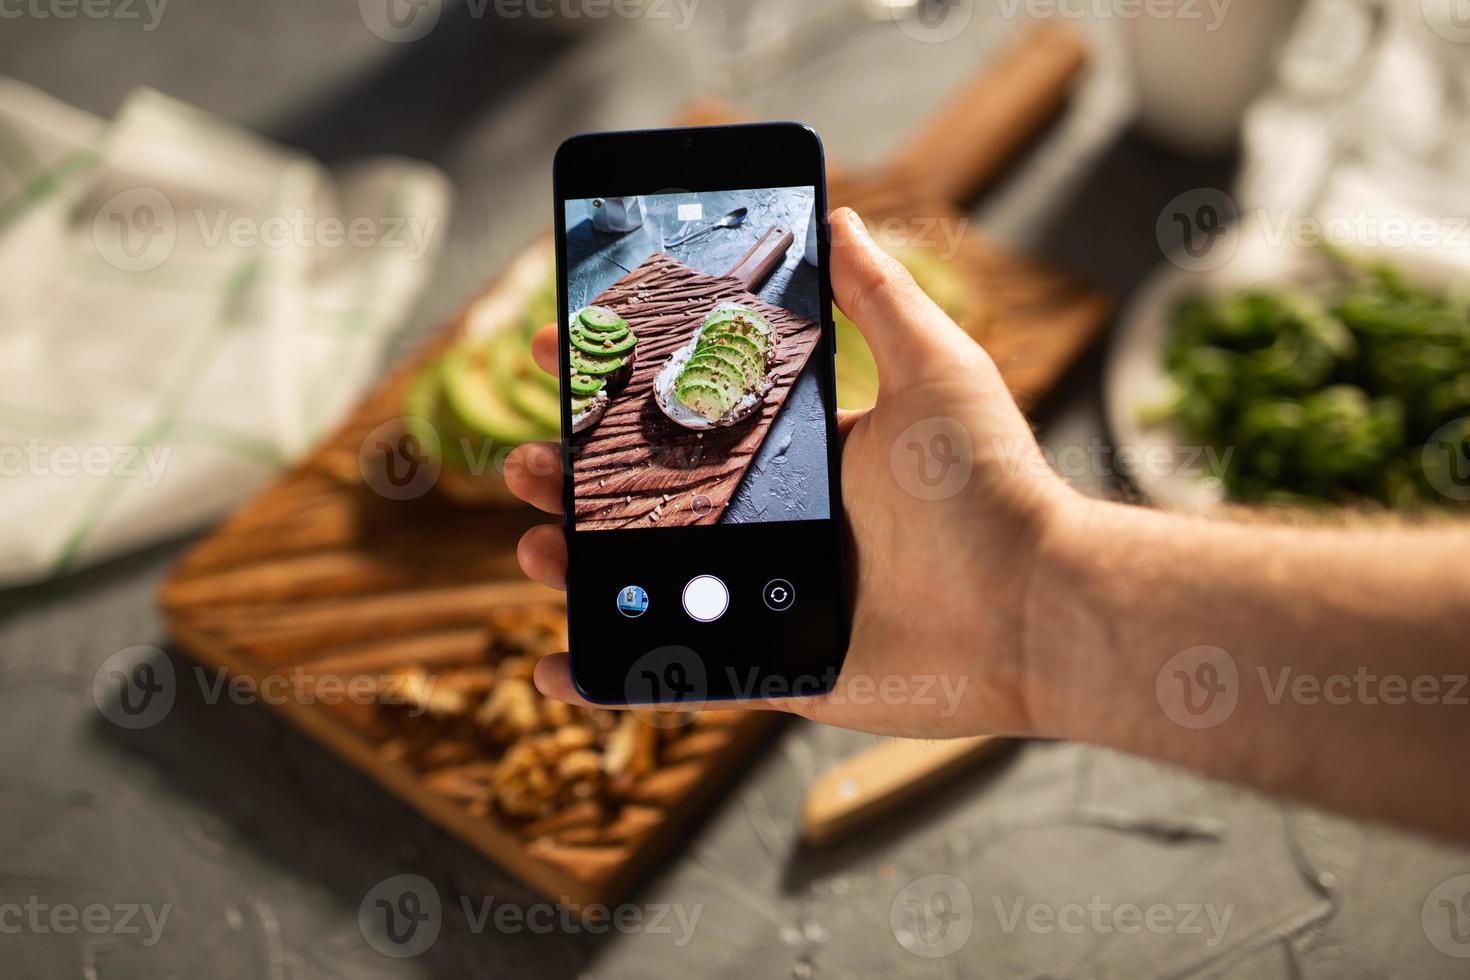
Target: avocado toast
<point>720,377</point>
<point>600,356</point>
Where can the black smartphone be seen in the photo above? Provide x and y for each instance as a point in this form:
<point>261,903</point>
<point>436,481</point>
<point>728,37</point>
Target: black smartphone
<point>703,503</point>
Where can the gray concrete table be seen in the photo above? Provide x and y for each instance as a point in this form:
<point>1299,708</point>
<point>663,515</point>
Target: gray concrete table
<point>263,847</point>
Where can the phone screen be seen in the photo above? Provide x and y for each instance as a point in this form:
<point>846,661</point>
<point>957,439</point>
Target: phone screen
<point>702,499</point>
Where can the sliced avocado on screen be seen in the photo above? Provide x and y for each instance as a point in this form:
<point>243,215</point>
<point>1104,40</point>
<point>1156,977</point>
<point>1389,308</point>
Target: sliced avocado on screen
<point>708,399</point>
<point>595,366</point>
<point>742,324</point>
<point>731,371</point>
<point>598,336</point>
<point>601,320</point>
<point>585,384</point>
<point>750,374</point>
<point>475,399</point>
<point>580,403</point>
<point>740,344</point>
<point>603,348</point>
<point>733,391</point>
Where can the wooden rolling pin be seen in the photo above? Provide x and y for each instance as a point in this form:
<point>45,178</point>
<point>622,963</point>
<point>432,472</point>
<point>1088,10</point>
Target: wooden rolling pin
<point>969,141</point>
<point>876,781</point>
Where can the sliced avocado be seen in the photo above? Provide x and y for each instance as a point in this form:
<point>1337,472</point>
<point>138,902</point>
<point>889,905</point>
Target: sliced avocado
<point>580,403</point>
<point>741,344</point>
<point>707,398</point>
<point>603,348</point>
<point>746,324</point>
<point>475,400</point>
<point>585,384</point>
<point>749,373</point>
<point>595,366</point>
<point>515,373</point>
<point>602,320</point>
<point>730,371</point>
<point>420,408</point>
<point>714,375</point>
<point>616,333</point>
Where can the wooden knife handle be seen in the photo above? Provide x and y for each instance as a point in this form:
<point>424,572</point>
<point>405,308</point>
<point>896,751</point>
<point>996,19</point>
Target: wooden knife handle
<point>971,139</point>
<point>764,258</point>
<point>877,780</point>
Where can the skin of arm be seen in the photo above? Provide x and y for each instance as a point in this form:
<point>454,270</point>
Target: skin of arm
<point>1323,663</point>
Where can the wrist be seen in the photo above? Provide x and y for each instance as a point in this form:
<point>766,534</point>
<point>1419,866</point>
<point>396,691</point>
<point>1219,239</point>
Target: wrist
<point>1067,641</point>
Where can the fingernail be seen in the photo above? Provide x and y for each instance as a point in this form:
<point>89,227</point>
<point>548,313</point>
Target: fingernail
<point>855,221</point>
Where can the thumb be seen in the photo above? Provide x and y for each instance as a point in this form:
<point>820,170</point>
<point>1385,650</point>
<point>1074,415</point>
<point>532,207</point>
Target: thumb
<point>902,325</point>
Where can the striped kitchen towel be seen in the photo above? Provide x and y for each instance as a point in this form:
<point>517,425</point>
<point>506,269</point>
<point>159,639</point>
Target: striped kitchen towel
<point>185,308</point>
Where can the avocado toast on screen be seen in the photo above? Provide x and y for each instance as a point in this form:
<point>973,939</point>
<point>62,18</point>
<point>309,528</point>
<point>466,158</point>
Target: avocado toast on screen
<point>600,359</point>
<point>721,376</point>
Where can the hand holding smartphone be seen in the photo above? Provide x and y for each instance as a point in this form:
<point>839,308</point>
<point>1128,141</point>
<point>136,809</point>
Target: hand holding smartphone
<point>702,496</point>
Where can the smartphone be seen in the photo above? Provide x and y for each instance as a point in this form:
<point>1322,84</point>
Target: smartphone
<point>702,499</point>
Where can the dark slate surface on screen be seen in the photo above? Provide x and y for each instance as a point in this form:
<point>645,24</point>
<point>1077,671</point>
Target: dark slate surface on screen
<point>787,480</point>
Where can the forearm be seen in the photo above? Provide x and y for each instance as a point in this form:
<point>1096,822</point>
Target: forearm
<point>1349,650</point>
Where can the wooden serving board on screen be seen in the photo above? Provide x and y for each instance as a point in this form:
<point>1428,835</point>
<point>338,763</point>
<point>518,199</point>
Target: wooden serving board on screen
<point>321,574</point>
<point>636,468</point>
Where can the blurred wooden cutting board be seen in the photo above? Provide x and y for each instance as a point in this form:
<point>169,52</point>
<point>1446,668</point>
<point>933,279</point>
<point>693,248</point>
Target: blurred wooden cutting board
<point>321,573</point>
